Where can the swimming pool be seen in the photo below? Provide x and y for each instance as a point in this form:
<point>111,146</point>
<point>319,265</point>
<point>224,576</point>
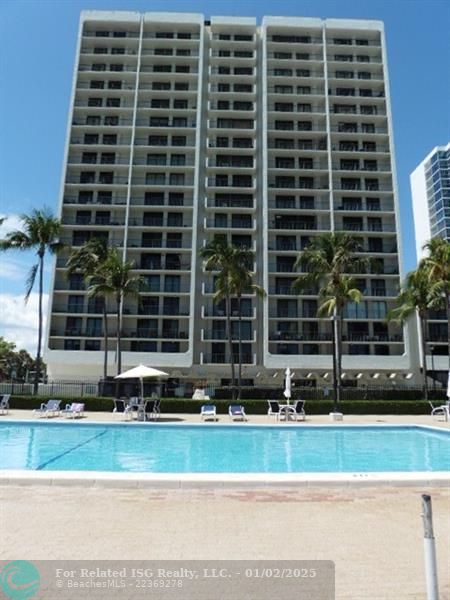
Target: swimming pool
<point>154,448</point>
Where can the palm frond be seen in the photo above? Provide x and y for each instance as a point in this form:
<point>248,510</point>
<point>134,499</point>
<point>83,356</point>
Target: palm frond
<point>30,281</point>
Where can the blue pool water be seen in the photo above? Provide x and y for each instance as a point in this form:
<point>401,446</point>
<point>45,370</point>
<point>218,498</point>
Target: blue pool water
<point>222,449</point>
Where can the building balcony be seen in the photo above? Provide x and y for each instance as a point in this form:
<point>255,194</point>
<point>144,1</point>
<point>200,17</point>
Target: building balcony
<point>209,312</point>
<point>155,334</point>
<point>225,359</point>
<point>230,204</point>
<point>163,125</point>
<point>358,129</point>
<point>185,202</point>
<point>158,182</point>
<point>222,335</point>
<point>294,224</point>
<point>283,185</point>
<point>248,225</point>
<point>240,124</point>
<point>117,201</point>
<point>91,68</point>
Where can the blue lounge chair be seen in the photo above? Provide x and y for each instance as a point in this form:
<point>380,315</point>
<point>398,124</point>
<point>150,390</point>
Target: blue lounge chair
<point>51,408</point>
<point>236,411</point>
<point>208,411</point>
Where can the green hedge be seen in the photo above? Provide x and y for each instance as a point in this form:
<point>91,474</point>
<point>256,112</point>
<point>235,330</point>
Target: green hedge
<point>259,407</point>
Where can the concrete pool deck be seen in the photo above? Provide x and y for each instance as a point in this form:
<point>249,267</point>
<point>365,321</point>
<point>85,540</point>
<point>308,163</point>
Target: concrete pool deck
<point>252,419</point>
<point>374,535</point>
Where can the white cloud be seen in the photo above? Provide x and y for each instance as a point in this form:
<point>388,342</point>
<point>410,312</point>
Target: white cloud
<point>11,223</point>
<point>19,321</point>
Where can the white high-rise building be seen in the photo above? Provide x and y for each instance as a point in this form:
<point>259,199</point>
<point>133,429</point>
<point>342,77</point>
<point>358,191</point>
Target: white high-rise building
<point>182,129</point>
<point>430,188</point>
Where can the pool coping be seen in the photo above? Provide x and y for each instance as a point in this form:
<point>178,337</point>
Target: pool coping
<point>115,479</point>
<point>221,480</point>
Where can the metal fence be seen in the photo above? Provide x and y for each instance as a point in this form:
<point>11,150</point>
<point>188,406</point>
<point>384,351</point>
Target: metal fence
<point>78,389</point>
<point>65,389</point>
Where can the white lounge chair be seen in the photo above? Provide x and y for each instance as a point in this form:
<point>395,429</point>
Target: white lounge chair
<point>299,410</point>
<point>208,411</point>
<point>236,411</point>
<point>121,408</point>
<point>149,411</point>
<point>76,409</point>
<point>51,408</point>
<point>4,404</point>
<point>274,409</point>
<point>443,410</point>
<point>199,394</point>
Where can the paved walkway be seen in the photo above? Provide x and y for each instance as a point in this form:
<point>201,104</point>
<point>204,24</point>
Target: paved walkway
<point>252,419</point>
<point>374,535</point>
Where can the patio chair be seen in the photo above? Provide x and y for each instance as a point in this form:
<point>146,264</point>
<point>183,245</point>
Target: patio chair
<point>76,409</point>
<point>443,409</point>
<point>51,408</point>
<point>274,409</point>
<point>121,408</point>
<point>299,408</point>
<point>157,408</point>
<point>4,404</point>
<point>236,411</point>
<point>147,411</point>
<point>208,411</point>
<point>199,394</point>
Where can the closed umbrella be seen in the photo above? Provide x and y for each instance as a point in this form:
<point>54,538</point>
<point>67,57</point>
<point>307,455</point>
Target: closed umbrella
<point>287,384</point>
<point>448,386</point>
<point>141,372</point>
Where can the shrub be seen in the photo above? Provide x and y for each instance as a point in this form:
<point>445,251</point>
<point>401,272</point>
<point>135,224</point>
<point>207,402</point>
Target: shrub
<point>252,406</point>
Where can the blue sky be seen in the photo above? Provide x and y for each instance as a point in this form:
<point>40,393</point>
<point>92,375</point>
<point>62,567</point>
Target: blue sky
<point>38,45</point>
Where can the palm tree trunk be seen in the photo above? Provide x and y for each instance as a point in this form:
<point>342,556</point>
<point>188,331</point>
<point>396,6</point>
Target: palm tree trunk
<point>338,357</point>
<point>230,345</point>
<point>240,348</point>
<point>39,344</point>
<point>105,340</point>
<point>448,326</point>
<point>335,386</point>
<point>423,336</point>
<point>119,326</point>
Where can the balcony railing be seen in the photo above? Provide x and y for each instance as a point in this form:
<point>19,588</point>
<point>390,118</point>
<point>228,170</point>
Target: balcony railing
<point>225,359</point>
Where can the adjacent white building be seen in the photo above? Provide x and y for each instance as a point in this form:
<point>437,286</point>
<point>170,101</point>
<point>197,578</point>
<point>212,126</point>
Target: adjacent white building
<point>430,189</point>
<point>182,129</point>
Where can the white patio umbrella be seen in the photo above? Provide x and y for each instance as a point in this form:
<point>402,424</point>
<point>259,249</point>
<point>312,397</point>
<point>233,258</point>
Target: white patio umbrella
<point>448,386</point>
<point>141,372</point>
<point>287,384</point>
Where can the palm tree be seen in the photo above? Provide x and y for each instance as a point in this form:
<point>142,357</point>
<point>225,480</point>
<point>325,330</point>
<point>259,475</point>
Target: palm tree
<point>415,298</point>
<point>90,260</point>
<point>235,279</point>
<point>117,282</point>
<point>326,264</point>
<point>438,264</point>
<point>241,282</point>
<point>219,256</point>
<point>40,231</point>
